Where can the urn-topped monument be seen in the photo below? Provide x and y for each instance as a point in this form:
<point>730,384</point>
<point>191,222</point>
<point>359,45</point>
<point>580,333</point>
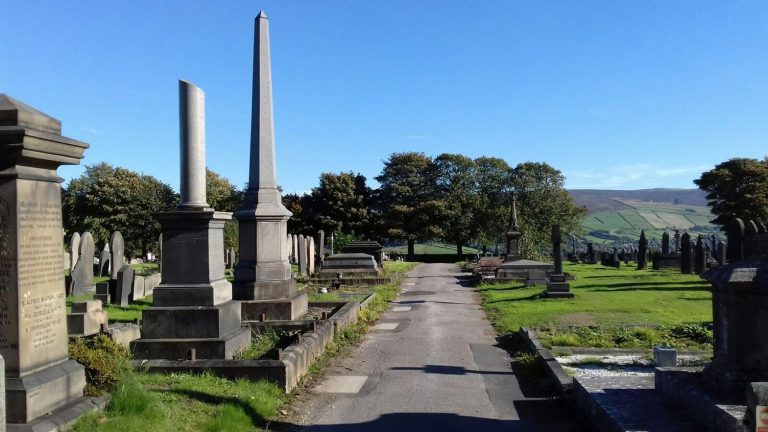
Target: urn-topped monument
<point>263,279</point>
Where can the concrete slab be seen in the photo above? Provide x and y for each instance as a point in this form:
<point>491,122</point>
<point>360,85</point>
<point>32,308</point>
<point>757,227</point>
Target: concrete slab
<point>385,326</point>
<point>342,384</point>
<point>401,308</point>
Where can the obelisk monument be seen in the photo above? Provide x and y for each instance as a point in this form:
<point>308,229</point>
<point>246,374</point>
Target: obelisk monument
<point>263,279</point>
<point>193,307</point>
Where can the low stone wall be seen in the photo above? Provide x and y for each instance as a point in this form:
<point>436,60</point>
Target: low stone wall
<point>563,381</point>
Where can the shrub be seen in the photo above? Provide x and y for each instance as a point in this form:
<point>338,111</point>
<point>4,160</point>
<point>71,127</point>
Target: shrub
<point>105,362</point>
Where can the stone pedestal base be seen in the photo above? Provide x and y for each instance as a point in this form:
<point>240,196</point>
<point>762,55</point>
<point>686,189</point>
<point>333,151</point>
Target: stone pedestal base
<point>264,290</point>
<point>275,309</point>
<point>557,287</point>
<point>169,332</point>
<point>205,348</point>
<point>41,392</point>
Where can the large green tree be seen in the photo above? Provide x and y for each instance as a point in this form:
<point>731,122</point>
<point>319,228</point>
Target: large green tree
<point>494,186</point>
<point>542,201</point>
<point>737,188</point>
<point>456,182</point>
<point>106,199</point>
<point>341,203</point>
<point>408,199</point>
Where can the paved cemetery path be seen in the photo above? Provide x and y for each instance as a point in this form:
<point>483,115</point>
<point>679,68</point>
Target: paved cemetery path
<point>430,364</point>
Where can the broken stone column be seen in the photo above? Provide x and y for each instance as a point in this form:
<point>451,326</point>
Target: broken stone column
<point>263,279</point>
<point>193,307</point>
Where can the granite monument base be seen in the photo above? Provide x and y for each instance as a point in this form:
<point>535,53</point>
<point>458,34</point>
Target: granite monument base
<point>356,264</point>
<point>264,290</point>
<point>275,309</point>
<point>41,392</point>
<point>530,272</point>
<point>662,261</point>
<point>225,347</point>
<point>557,287</point>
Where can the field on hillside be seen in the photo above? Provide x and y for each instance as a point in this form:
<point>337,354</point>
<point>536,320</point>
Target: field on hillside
<point>654,218</point>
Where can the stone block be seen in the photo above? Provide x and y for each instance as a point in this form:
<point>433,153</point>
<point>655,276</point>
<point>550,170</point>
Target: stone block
<point>86,306</point>
<point>280,309</point>
<point>137,292</point>
<point>41,392</point>
<point>124,334</point>
<point>206,348</point>
<point>664,357</point>
<point>190,322</point>
<point>125,278</point>
<point>86,318</point>
<point>150,283</point>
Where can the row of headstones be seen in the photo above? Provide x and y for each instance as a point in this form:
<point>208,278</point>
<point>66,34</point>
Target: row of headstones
<point>81,261</point>
<point>307,252</point>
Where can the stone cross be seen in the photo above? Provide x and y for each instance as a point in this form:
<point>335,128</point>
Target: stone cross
<point>642,252</point>
<point>685,254</point>
<point>557,252</point>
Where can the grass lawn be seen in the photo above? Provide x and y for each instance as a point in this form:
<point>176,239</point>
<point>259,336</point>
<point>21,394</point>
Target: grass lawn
<point>604,298</point>
<point>185,402</point>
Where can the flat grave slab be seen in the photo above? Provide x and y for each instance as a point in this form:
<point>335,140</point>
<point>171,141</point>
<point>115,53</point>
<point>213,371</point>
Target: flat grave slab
<point>343,384</point>
<point>385,326</point>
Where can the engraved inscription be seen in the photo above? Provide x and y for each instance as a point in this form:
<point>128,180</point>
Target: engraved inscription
<point>39,273</point>
<point>7,265</point>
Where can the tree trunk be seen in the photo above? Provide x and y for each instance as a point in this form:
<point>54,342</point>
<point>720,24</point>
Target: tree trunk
<point>485,250</point>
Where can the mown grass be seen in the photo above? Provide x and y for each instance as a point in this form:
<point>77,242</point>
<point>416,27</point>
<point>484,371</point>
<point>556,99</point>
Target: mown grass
<point>145,269</point>
<point>185,402</point>
<point>116,313</point>
<point>606,299</point>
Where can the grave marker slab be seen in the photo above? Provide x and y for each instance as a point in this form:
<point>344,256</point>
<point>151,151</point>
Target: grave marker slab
<point>82,275</point>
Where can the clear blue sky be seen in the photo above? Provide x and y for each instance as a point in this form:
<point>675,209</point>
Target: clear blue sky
<point>615,94</point>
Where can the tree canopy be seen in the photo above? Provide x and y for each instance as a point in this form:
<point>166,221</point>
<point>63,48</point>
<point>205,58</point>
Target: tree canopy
<point>106,199</point>
<point>737,188</point>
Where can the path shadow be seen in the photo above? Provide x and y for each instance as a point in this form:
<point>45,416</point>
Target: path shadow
<point>448,370</point>
<point>256,418</point>
<point>535,416</point>
<point>649,286</point>
<point>536,296</point>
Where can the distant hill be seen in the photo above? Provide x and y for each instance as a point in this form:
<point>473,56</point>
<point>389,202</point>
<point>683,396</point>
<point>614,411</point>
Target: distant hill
<point>596,200</point>
<point>618,216</point>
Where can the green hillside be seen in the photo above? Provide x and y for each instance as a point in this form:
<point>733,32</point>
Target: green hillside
<point>431,248</point>
<point>655,218</point>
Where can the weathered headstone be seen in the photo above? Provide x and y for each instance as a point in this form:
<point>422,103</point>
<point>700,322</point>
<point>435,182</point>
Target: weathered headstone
<point>231,257</point>
<point>735,233</point>
<point>86,318</point>
<point>117,249</point>
<point>677,241</point>
<point>557,286</point>
<point>192,307</point>
<point>104,261</point>
<point>615,262</point>
<point>74,248</point>
<point>302,255</point>
<point>685,254</point>
<point>700,256</point>
<point>310,256</point>
<point>137,291</point>
<point>320,247</point>
<point>750,234</point>
<point>39,376</point>
<point>642,251</point>
<point>591,253</point>
<point>720,254</point>
<point>82,275</point>
<point>124,286</point>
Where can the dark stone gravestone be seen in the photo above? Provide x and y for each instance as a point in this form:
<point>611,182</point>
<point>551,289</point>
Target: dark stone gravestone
<point>74,248</point>
<point>665,243</point>
<point>700,256</point>
<point>642,251</point>
<point>320,247</point>
<point>676,243</point>
<point>124,285</point>
<point>685,254</point>
<point>82,275</point>
<point>591,259</point>
<point>615,259</point>
<point>720,254</point>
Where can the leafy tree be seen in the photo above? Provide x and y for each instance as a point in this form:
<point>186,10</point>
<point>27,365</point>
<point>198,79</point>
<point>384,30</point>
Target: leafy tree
<point>223,196</point>
<point>408,198</point>
<point>341,203</point>
<point>542,202</point>
<point>106,199</point>
<point>457,188</point>
<point>301,207</point>
<point>737,188</point>
<point>494,186</point>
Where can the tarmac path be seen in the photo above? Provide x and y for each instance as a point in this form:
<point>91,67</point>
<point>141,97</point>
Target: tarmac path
<point>430,364</point>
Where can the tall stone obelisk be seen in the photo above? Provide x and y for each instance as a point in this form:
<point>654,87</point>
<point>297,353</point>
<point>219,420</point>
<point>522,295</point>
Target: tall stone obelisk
<point>193,307</point>
<point>263,278</point>
<point>513,236</point>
